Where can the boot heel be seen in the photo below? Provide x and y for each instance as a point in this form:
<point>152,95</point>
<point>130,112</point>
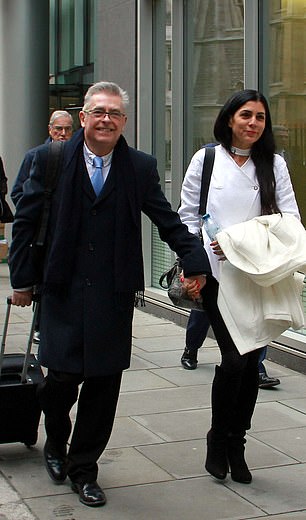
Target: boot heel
<point>216,459</point>
<point>238,466</point>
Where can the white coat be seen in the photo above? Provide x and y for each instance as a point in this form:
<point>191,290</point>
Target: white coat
<point>259,298</point>
<point>233,195</point>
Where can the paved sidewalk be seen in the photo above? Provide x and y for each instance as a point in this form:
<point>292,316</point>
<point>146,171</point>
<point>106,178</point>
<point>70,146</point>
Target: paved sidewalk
<point>153,467</point>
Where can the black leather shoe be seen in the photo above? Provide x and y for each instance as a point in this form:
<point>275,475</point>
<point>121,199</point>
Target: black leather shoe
<point>189,359</point>
<point>90,493</point>
<point>55,464</point>
<point>267,382</point>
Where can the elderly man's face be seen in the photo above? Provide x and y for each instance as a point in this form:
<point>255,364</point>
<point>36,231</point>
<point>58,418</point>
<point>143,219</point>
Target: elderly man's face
<point>61,129</point>
<point>103,122</point>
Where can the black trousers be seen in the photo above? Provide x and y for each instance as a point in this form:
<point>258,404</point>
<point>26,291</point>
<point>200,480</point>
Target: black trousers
<point>97,402</point>
<point>235,385</point>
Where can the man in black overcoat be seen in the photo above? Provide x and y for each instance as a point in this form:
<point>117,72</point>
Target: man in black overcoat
<point>60,129</point>
<point>93,268</point>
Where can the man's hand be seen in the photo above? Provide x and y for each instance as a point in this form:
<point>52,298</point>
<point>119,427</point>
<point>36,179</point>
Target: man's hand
<point>194,284</point>
<point>22,298</point>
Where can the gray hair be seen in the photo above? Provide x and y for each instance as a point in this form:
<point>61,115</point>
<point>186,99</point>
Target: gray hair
<point>59,113</point>
<point>105,86</point>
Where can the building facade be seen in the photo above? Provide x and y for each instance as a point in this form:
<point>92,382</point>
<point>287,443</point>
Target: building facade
<point>178,59</point>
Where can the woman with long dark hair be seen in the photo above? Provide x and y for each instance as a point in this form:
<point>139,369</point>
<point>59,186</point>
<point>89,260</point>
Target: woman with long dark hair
<point>248,180</point>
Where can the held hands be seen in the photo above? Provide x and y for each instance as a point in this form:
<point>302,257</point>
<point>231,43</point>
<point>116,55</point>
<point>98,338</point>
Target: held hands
<point>193,285</point>
<point>22,298</point>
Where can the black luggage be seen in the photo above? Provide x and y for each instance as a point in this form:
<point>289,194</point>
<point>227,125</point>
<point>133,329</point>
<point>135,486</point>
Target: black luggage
<point>19,376</point>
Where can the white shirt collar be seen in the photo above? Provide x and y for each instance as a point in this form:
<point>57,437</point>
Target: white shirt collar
<point>89,157</point>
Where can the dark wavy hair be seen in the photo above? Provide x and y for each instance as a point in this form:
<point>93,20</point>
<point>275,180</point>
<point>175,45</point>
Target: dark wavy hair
<point>262,152</point>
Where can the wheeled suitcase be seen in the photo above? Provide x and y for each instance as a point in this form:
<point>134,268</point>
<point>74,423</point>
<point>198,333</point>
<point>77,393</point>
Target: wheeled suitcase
<point>20,375</point>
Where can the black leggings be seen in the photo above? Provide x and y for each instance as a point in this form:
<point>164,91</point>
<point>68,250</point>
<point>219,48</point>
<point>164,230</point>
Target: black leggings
<point>232,362</point>
<point>235,385</point>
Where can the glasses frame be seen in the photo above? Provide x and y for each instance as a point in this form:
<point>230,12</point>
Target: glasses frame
<point>113,115</point>
<point>59,128</point>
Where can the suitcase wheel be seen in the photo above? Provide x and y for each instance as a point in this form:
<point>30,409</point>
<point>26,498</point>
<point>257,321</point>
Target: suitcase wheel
<point>30,442</point>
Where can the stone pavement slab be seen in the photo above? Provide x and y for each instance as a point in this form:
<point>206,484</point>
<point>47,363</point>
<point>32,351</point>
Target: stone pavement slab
<point>153,467</point>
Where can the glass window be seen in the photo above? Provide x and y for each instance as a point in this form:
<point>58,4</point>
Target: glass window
<point>71,54</point>
<point>285,87</point>
<point>216,38</point>
<point>90,36</point>
<point>212,66</point>
<point>66,34</point>
<point>162,115</point>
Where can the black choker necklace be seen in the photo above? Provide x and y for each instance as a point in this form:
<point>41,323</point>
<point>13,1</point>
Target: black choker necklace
<point>239,151</point>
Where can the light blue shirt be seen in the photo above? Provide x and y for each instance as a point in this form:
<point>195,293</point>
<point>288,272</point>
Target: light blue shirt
<point>89,157</point>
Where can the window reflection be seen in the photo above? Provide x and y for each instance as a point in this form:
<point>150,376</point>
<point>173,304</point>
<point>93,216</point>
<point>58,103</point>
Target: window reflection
<point>217,67</point>
<point>287,66</point>
<point>213,40</point>
<point>162,121</point>
<point>287,69</point>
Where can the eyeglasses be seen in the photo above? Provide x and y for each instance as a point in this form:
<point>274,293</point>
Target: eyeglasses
<point>97,113</point>
<point>61,128</point>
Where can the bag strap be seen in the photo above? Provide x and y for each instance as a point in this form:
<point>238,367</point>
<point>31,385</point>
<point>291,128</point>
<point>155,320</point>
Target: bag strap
<point>55,152</point>
<point>169,274</point>
<point>208,164</point>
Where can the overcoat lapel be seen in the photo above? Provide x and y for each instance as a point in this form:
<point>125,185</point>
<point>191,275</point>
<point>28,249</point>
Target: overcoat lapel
<point>125,173</point>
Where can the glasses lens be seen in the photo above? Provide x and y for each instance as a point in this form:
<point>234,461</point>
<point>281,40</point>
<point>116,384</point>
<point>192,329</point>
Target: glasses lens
<point>97,113</point>
<point>112,114</point>
<point>115,114</point>
<point>61,128</point>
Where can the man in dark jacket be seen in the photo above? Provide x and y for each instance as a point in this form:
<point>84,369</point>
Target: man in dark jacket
<point>93,269</point>
<point>60,129</point>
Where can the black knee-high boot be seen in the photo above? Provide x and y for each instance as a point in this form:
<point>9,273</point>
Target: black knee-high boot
<point>223,397</point>
<point>240,423</point>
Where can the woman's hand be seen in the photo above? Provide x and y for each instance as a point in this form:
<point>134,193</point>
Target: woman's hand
<point>217,250</point>
<point>193,285</point>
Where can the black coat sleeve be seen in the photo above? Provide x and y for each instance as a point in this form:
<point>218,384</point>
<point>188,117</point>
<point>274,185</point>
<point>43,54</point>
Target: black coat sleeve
<point>22,176</point>
<point>171,230</point>
<point>27,218</point>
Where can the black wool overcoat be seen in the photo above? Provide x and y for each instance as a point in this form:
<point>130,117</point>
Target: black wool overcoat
<point>89,329</point>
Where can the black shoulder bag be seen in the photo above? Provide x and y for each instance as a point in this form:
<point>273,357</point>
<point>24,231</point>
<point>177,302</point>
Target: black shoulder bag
<point>39,245</point>
<point>171,279</point>
<point>208,164</point>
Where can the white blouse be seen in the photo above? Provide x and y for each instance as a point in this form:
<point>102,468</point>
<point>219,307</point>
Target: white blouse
<point>233,195</point>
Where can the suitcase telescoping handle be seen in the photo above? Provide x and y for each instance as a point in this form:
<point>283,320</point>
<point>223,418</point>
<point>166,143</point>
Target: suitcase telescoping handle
<point>30,339</point>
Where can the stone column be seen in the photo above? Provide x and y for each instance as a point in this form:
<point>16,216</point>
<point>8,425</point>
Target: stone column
<point>24,79</point>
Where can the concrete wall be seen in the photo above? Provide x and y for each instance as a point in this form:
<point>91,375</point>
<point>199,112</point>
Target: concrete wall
<point>115,58</point>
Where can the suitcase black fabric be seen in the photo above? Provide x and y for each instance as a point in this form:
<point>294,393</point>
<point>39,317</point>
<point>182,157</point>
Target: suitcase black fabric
<point>20,375</point>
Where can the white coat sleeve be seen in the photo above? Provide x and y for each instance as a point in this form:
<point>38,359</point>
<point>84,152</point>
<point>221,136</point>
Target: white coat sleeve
<point>190,193</point>
<point>284,193</point>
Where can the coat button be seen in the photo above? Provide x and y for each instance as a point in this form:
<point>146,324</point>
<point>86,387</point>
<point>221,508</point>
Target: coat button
<point>91,246</point>
<point>255,187</point>
<point>88,282</point>
<point>93,211</point>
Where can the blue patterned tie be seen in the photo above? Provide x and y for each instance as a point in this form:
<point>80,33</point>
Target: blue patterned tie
<point>97,178</point>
